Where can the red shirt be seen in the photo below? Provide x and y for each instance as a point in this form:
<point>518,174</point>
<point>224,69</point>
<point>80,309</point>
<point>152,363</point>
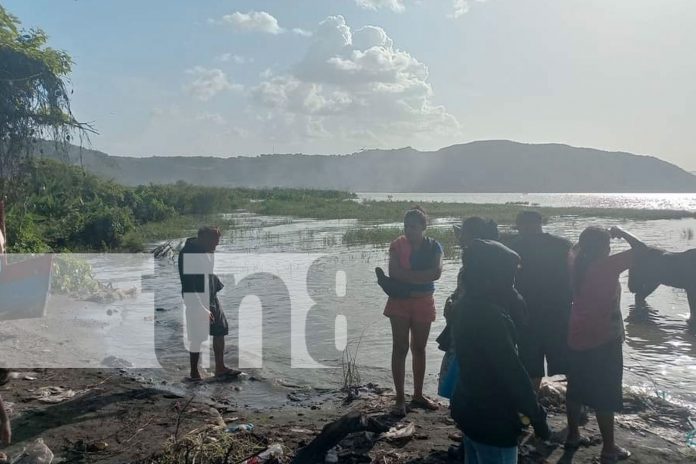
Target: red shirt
<point>595,318</point>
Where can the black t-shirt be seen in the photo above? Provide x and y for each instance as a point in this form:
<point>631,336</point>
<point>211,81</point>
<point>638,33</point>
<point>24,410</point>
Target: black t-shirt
<point>543,279</point>
<point>194,283</point>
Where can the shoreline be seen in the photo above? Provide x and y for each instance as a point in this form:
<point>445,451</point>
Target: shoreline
<point>114,418</point>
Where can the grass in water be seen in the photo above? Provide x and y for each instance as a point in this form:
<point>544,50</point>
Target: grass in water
<point>393,211</point>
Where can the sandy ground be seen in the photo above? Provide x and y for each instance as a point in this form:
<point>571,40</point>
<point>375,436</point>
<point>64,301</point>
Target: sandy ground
<point>114,417</point>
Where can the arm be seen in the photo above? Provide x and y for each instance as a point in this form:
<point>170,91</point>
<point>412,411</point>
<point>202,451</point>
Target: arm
<point>5,430</point>
<point>618,232</point>
<point>414,277</point>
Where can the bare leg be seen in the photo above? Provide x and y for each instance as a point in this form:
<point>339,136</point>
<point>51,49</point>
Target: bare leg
<point>419,338</point>
<point>606,428</point>
<point>194,358</point>
<point>219,351</point>
<point>400,331</point>
<point>691,294</point>
<point>573,412</point>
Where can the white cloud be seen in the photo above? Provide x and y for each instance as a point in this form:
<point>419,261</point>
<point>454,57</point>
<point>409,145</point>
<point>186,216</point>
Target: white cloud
<point>253,21</point>
<point>207,83</point>
<point>351,83</point>
<point>302,32</point>
<point>462,7</point>
<point>394,5</point>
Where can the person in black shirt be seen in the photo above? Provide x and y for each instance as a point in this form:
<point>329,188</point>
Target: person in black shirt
<point>494,394</point>
<point>544,283</point>
<point>204,316</point>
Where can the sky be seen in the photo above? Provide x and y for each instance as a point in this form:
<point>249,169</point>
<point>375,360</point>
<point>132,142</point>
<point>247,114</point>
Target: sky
<point>238,77</point>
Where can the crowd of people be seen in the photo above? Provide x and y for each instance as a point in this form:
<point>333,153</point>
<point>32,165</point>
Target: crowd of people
<point>535,306</point>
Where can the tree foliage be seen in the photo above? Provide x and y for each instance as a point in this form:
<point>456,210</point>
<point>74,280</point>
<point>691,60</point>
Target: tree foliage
<point>34,101</point>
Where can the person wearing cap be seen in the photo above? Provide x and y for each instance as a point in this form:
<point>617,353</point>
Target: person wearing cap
<point>544,283</point>
<point>494,399</point>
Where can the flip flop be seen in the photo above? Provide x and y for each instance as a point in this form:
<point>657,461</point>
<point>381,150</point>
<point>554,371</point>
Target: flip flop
<point>425,403</point>
<point>582,441</point>
<point>620,454</point>
<point>194,379</point>
<point>228,374</point>
<point>398,410</point>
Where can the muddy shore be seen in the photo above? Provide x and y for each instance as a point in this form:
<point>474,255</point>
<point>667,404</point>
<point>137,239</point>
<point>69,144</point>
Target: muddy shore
<point>114,416</point>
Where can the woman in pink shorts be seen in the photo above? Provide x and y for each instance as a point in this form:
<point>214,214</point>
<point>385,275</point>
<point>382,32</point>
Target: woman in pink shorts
<point>416,261</point>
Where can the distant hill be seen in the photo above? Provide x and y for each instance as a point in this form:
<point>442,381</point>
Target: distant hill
<point>486,166</point>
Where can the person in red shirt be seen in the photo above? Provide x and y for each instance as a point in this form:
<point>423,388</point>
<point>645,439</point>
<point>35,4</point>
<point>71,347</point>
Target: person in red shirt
<point>596,335</point>
<point>416,262</point>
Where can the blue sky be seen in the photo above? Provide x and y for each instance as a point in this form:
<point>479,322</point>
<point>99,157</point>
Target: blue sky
<point>233,77</point>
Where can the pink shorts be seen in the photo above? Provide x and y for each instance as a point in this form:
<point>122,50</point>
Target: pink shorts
<point>417,309</point>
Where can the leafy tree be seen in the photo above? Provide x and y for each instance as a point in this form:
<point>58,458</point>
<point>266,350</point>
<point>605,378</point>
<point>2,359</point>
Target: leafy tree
<point>34,102</point>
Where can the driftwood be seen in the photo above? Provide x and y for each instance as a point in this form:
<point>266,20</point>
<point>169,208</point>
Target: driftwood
<point>333,433</point>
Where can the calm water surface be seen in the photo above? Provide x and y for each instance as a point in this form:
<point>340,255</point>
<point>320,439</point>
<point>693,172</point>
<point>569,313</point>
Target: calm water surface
<point>660,355</point>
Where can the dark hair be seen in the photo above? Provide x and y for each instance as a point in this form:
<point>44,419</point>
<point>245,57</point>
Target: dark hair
<point>417,213</point>
<point>490,265</point>
<point>529,217</point>
<point>4,375</point>
<point>209,232</point>
<point>479,228</point>
<point>591,245</point>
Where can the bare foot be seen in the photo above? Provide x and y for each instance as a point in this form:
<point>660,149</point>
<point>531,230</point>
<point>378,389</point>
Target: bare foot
<point>424,402</point>
<point>399,409</point>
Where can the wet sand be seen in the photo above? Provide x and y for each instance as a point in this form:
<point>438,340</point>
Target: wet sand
<point>116,417</point>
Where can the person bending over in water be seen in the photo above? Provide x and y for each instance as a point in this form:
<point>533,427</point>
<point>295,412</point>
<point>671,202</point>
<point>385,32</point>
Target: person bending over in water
<point>596,335</point>
<point>415,260</point>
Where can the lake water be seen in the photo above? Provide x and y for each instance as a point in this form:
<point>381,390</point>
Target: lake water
<point>660,355</point>
<point>677,201</point>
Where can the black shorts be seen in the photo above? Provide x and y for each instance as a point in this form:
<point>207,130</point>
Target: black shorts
<point>595,377</point>
<point>545,338</point>
<point>218,326</point>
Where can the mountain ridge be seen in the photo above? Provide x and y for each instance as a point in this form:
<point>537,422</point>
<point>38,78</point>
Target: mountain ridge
<point>488,166</point>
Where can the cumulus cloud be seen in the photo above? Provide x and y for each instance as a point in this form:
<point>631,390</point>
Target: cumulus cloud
<point>302,32</point>
<point>351,83</point>
<point>253,21</point>
<point>394,5</point>
<point>206,83</point>
<point>462,7</point>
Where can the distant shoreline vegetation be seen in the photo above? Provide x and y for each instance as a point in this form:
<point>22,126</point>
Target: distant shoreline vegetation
<point>65,209</point>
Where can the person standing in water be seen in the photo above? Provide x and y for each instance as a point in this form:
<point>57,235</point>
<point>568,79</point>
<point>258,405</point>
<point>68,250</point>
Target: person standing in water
<point>596,335</point>
<point>416,260</point>
<point>204,315</point>
<point>544,283</point>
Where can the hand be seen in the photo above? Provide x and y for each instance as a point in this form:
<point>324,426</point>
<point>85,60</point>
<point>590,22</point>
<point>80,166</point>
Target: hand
<point>5,433</point>
<point>617,232</point>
